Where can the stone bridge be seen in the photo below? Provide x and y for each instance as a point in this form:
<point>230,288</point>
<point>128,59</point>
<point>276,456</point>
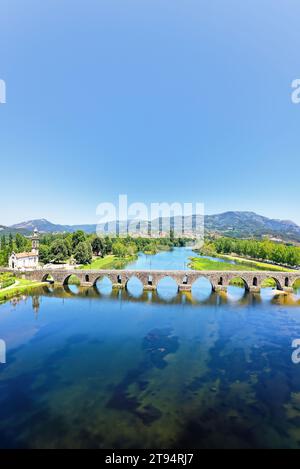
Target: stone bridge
<point>150,278</point>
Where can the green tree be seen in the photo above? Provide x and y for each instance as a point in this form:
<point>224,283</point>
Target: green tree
<point>119,249</point>
<point>78,237</point>
<point>44,254</point>
<point>97,246</point>
<point>69,245</point>
<point>83,253</point>
<point>3,243</point>
<point>21,242</point>
<point>10,243</point>
<point>58,251</point>
<point>107,245</point>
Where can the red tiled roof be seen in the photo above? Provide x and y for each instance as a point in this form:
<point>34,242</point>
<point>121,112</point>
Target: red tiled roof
<point>21,255</point>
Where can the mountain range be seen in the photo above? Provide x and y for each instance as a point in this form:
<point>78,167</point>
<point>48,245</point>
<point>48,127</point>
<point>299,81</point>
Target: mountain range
<point>234,223</point>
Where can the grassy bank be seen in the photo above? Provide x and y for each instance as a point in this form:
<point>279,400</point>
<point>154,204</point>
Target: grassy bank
<point>257,264</point>
<point>241,264</point>
<point>198,263</point>
<point>108,262</point>
<point>21,287</point>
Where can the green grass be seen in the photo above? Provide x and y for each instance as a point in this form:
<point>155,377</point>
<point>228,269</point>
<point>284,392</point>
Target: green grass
<point>258,264</point>
<point>207,264</point>
<point>242,264</point>
<point>100,263</point>
<point>23,287</point>
<point>108,262</point>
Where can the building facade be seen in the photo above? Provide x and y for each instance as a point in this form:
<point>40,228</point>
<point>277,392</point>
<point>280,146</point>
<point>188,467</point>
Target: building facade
<point>26,260</point>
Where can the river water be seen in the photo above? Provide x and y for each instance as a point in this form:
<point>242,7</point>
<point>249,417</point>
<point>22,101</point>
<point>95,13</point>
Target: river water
<point>96,368</point>
<point>177,259</point>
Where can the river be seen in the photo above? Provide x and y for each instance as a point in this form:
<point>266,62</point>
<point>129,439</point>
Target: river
<point>96,368</point>
<point>176,259</point>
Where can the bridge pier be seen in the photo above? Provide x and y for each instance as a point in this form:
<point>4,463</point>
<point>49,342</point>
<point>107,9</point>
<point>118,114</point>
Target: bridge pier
<point>86,284</point>
<point>254,289</point>
<point>288,289</point>
<point>148,287</point>
<point>118,286</point>
<point>185,287</point>
<point>220,288</point>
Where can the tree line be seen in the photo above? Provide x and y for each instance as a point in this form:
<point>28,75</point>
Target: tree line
<point>265,250</point>
<point>80,247</point>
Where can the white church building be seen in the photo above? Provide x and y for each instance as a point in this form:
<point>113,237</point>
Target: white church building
<point>26,260</point>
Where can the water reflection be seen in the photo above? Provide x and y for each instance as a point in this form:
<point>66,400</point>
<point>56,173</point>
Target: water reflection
<point>72,289</point>
<point>236,293</point>
<point>134,287</point>
<point>120,370</point>
<point>201,289</point>
<point>296,293</point>
<point>167,289</point>
<point>168,293</point>
<point>103,286</point>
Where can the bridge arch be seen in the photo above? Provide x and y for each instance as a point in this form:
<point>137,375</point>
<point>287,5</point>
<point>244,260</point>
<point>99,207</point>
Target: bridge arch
<point>72,279</point>
<point>202,288</point>
<point>99,279</point>
<point>271,281</point>
<point>296,284</point>
<point>202,280</point>
<point>239,281</point>
<point>48,278</point>
<point>167,287</point>
<point>103,284</point>
<point>134,286</point>
<point>71,284</point>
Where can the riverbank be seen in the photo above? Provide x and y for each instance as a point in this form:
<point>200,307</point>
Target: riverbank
<point>108,262</point>
<point>257,264</point>
<point>20,287</point>
<point>202,263</point>
<point>111,261</point>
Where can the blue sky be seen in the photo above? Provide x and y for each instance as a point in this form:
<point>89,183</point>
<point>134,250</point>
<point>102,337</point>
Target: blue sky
<point>163,100</point>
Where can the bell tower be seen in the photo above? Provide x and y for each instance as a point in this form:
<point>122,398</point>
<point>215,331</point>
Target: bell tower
<point>35,241</point>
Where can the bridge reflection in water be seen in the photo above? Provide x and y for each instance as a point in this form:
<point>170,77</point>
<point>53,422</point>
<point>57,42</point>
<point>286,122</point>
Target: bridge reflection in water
<point>168,295</point>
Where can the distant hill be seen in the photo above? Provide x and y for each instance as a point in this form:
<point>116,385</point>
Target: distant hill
<point>5,230</point>
<point>249,224</point>
<point>235,224</point>
<point>45,226</point>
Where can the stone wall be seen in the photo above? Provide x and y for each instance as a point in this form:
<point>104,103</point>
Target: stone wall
<point>150,278</point>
